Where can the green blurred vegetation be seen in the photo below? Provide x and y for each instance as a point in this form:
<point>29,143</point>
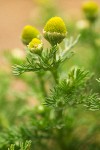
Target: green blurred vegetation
<point>22,117</point>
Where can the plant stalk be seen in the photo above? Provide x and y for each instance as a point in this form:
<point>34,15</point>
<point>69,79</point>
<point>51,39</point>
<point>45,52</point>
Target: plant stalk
<point>44,92</point>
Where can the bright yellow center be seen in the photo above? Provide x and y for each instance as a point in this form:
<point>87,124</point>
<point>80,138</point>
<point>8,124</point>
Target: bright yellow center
<point>90,7</point>
<point>34,43</point>
<point>55,24</point>
<point>28,33</point>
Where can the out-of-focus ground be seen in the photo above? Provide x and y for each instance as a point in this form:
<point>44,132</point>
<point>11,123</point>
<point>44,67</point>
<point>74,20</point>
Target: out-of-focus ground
<point>14,14</point>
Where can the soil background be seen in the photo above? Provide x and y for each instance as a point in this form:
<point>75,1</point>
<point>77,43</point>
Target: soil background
<point>14,14</point>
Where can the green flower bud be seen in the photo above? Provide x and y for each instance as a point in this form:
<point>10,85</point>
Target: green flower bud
<point>35,46</point>
<point>55,30</point>
<point>28,33</point>
<point>90,8</point>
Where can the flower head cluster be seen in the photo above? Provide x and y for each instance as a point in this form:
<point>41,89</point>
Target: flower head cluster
<point>28,33</point>
<point>55,30</point>
<point>90,8</point>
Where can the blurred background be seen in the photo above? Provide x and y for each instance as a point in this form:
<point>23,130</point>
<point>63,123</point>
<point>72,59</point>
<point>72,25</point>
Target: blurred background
<point>14,14</point>
<point>17,92</point>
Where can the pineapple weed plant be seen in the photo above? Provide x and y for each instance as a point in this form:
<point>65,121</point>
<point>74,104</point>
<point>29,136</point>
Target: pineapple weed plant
<point>90,33</point>
<point>91,12</point>
<point>48,128</point>
<point>89,28</point>
<point>48,125</point>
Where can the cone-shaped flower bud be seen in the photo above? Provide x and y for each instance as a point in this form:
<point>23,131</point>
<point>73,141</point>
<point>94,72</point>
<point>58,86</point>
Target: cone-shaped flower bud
<point>35,46</point>
<point>28,33</point>
<point>90,8</point>
<point>55,30</point>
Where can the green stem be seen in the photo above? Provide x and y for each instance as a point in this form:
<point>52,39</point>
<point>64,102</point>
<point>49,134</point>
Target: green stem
<point>54,70</point>
<point>96,60</point>
<point>60,132</point>
<point>42,85</point>
<point>95,64</point>
<point>55,75</point>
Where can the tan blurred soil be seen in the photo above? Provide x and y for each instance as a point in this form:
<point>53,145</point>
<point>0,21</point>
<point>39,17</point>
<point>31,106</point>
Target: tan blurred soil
<point>14,14</point>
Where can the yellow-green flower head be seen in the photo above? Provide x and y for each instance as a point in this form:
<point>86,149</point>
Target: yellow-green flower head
<point>55,30</point>
<point>35,46</point>
<point>28,33</point>
<point>90,9</point>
